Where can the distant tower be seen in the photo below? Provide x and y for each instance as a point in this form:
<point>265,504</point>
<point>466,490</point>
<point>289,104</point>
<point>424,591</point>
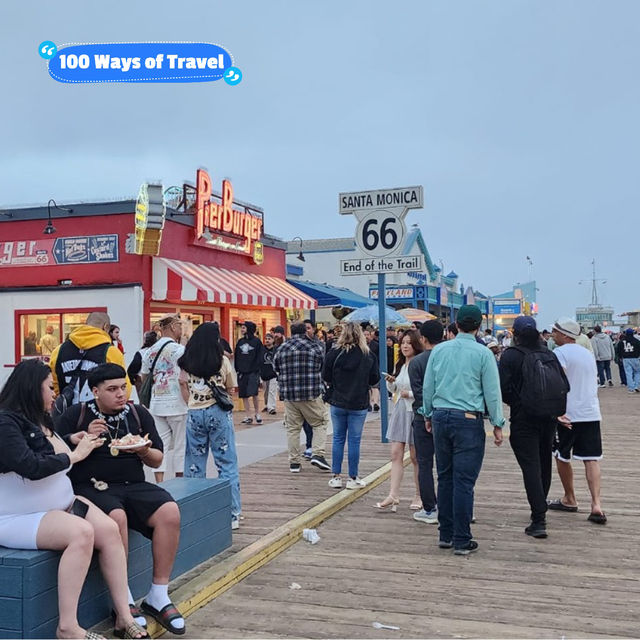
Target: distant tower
<point>594,314</point>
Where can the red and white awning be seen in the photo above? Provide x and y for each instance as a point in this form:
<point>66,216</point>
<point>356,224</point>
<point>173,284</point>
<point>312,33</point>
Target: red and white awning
<point>175,280</point>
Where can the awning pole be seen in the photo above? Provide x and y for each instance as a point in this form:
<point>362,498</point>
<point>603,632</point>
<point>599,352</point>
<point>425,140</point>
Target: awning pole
<point>382,352</point>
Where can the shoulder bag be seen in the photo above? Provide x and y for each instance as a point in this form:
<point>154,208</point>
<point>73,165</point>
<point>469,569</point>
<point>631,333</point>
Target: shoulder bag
<point>220,395</point>
<point>145,389</point>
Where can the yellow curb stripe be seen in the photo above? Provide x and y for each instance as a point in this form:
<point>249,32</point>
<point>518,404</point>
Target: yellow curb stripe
<point>217,579</point>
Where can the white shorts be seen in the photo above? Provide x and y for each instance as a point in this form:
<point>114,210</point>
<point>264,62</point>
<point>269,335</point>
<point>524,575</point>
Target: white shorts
<point>20,532</point>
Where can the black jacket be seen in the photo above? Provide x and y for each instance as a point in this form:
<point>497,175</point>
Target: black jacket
<point>628,347</point>
<point>417,369</point>
<point>247,357</point>
<point>25,450</point>
<point>349,375</point>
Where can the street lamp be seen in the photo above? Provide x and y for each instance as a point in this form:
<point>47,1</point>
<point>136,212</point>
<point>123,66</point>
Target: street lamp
<point>300,256</point>
<point>50,229</point>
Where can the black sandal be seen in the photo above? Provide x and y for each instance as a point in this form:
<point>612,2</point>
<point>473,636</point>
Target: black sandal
<point>165,616</point>
<point>597,518</point>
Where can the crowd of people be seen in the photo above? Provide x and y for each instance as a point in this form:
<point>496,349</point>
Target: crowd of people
<point>65,483</point>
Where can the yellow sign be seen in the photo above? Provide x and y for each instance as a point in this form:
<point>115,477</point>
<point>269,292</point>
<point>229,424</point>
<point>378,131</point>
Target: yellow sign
<point>150,215</point>
<point>258,252</point>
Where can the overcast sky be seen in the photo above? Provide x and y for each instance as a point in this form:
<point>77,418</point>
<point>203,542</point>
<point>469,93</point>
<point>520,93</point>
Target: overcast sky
<point>519,118</point>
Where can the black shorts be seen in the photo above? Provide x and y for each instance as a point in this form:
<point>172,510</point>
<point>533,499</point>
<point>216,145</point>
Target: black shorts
<point>583,439</point>
<point>139,500</point>
<point>248,384</point>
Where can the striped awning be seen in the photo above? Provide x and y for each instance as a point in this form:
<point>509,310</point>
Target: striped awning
<point>175,280</point>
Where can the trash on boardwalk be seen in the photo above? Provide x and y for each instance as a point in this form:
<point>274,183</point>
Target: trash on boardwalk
<point>294,585</point>
<point>310,535</point>
<point>379,625</point>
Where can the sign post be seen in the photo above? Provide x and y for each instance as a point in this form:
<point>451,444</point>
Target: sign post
<point>380,236</point>
<point>382,351</point>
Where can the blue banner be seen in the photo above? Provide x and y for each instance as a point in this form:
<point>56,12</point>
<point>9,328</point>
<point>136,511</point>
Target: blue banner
<point>142,62</point>
<point>507,309</point>
<point>86,249</point>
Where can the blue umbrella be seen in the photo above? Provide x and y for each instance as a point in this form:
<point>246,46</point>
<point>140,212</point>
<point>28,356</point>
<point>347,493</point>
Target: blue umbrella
<point>370,316</point>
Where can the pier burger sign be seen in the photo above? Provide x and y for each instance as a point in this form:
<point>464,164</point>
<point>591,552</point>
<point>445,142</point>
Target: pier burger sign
<point>220,226</point>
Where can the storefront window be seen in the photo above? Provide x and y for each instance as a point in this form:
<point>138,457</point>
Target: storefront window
<point>41,333</point>
<point>264,319</point>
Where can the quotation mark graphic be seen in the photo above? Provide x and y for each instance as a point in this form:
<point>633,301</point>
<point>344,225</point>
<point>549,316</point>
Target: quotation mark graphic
<point>47,49</point>
<point>232,76</point>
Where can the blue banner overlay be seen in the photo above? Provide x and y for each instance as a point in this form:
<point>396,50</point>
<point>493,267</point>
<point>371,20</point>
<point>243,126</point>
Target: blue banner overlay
<point>140,62</point>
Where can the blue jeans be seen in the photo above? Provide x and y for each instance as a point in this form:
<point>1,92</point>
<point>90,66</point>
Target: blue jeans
<point>347,425</point>
<point>632,371</point>
<point>212,428</point>
<point>459,443</point>
<point>604,370</point>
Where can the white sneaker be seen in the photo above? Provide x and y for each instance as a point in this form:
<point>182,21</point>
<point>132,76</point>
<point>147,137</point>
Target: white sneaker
<point>335,483</point>
<point>356,483</point>
<point>428,517</point>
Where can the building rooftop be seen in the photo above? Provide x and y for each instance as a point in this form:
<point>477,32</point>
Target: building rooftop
<point>322,244</point>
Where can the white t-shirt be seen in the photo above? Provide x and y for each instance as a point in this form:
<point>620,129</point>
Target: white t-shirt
<point>166,399</point>
<point>580,367</point>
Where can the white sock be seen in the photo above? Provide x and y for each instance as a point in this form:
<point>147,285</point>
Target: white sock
<point>141,620</point>
<point>158,598</point>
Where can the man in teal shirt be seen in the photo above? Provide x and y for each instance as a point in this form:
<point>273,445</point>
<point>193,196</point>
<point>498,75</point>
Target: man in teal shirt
<point>461,379</point>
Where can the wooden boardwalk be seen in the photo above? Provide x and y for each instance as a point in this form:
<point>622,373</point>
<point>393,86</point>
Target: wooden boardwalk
<point>580,582</point>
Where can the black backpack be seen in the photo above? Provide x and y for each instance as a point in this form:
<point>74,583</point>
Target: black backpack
<point>544,384</point>
<point>70,390</point>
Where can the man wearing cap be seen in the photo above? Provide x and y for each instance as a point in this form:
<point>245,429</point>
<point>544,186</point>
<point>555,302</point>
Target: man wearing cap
<point>461,378</point>
<point>629,354</point>
<point>247,359</point>
<point>578,432</point>
<point>531,436</point>
<point>278,332</point>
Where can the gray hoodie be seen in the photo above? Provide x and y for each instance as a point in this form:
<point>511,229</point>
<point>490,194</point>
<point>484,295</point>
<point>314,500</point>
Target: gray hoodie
<point>602,347</point>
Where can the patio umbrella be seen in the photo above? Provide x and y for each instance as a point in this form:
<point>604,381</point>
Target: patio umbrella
<point>370,315</point>
<point>418,315</point>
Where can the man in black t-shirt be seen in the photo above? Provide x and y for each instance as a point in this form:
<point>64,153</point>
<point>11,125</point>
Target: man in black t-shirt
<point>113,479</point>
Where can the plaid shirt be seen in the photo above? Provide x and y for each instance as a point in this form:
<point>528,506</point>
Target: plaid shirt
<point>298,363</point>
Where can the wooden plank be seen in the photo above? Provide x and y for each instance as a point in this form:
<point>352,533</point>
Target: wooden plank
<point>580,582</point>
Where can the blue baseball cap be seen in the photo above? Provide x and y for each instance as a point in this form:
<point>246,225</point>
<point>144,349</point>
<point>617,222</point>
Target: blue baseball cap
<point>522,323</point>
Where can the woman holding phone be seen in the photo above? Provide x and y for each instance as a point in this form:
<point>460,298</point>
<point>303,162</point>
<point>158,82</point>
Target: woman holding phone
<point>38,509</point>
<point>400,430</point>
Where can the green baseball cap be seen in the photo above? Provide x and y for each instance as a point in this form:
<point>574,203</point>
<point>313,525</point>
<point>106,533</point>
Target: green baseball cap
<point>469,313</point>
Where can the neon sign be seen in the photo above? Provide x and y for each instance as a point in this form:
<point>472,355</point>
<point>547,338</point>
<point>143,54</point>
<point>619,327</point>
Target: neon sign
<point>213,217</point>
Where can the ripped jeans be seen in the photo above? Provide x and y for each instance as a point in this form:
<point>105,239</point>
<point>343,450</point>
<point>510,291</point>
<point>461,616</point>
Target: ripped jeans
<point>212,428</point>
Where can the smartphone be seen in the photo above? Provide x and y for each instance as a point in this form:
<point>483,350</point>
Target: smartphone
<point>79,508</point>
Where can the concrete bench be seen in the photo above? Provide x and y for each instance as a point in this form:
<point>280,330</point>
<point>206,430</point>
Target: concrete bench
<point>29,580</point>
